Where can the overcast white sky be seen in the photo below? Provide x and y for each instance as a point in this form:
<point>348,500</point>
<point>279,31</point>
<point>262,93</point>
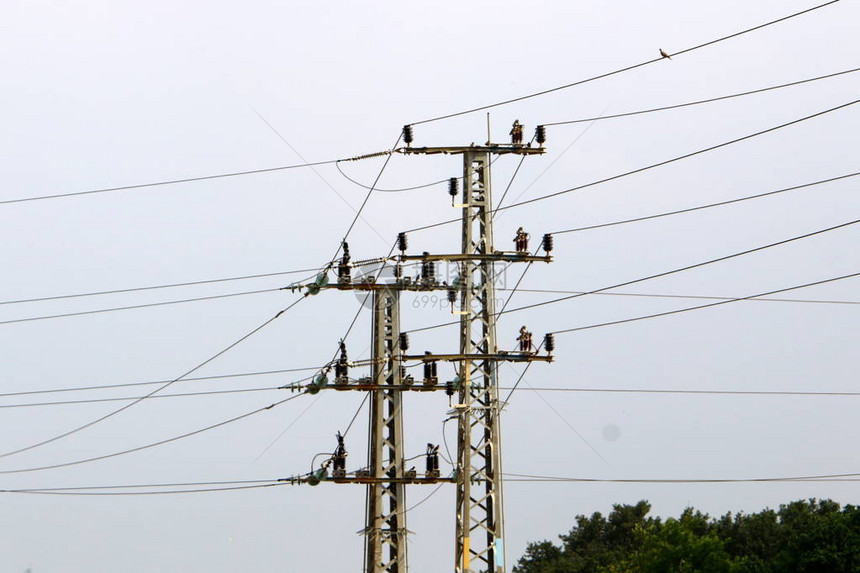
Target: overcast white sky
<point>101,94</point>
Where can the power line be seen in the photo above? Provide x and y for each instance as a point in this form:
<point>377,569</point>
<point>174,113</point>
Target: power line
<point>153,444</point>
<point>157,396</point>
<point>369,193</point>
<point>153,382</point>
<point>190,179</point>
<point>694,266</point>
<point>157,390</point>
<point>681,157</point>
<point>167,182</point>
<point>361,307</point>
<point>660,164</point>
<point>151,492</point>
<point>352,324</point>
<point>708,206</point>
<point>625,69</point>
<point>688,309</point>
<point>557,158</point>
<point>663,274</point>
<point>816,478</point>
<point>140,486</point>
<point>400,190</point>
<point>162,286</point>
<point>128,398</point>
<point>687,296</point>
<point>703,101</point>
<point>137,306</point>
<point>692,392</point>
<point>540,389</point>
<point>318,174</point>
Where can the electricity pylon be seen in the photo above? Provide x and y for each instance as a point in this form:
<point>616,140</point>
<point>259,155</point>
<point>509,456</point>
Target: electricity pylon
<point>479,545</point>
<point>479,507</point>
<point>385,530</point>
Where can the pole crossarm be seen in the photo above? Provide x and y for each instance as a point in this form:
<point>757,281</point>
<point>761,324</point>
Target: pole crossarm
<point>403,285</point>
<point>417,387</point>
<point>488,357</point>
<point>496,256</point>
<point>494,149</point>
<point>367,480</point>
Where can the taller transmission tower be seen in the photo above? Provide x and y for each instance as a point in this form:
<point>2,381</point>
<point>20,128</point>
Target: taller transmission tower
<point>479,545</point>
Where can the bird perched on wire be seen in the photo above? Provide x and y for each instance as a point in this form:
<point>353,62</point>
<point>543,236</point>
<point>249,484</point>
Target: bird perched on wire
<point>664,54</point>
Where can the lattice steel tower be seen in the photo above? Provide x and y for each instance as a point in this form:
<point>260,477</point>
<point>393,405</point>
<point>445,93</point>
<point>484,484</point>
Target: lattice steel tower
<point>479,544</point>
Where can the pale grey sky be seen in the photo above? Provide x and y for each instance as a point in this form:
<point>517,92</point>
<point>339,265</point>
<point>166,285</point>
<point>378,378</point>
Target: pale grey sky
<point>103,94</point>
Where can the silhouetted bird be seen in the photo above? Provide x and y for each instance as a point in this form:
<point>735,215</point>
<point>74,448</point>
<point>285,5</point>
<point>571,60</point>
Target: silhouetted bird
<point>664,54</point>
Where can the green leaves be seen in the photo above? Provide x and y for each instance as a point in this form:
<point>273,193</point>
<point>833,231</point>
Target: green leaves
<point>802,537</point>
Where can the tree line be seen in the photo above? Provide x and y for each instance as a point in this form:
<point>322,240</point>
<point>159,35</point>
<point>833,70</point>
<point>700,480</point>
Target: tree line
<point>808,536</point>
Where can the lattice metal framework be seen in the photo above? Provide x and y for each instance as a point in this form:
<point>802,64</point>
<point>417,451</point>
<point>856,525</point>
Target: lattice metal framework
<point>480,524</point>
<point>385,534</point>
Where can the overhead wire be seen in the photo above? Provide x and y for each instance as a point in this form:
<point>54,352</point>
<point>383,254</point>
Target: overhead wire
<point>157,396</point>
<point>703,101</point>
<point>150,492</point>
<point>815,478</point>
<point>154,382</point>
<point>430,120</point>
<point>694,266</point>
<point>539,389</point>
<point>692,392</point>
<point>318,174</point>
<point>166,182</point>
<point>703,306</point>
<point>155,287</point>
<point>555,160</point>
<point>652,166</point>
<point>152,444</point>
<point>682,157</point>
<point>190,179</point>
<point>370,191</point>
<point>368,194</point>
<point>140,486</point>
<point>136,306</point>
<point>511,182</point>
<point>157,390</point>
<point>686,296</point>
<point>663,274</point>
<point>708,206</point>
<point>215,486</point>
<point>399,190</point>
<point>624,69</point>
<point>361,307</point>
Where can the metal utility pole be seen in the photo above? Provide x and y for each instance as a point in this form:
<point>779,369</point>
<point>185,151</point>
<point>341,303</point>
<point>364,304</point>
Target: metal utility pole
<point>479,507</point>
<point>479,544</point>
<point>385,531</point>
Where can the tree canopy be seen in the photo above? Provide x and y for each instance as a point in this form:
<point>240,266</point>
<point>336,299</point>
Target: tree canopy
<point>801,537</point>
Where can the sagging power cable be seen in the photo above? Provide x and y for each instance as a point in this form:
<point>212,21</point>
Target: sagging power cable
<point>701,101</point>
<point>156,391</point>
<point>625,69</point>
<point>649,167</point>
<point>183,180</point>
<point>662,274</point>
<point>152,444</point>
<point>703,306</point>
